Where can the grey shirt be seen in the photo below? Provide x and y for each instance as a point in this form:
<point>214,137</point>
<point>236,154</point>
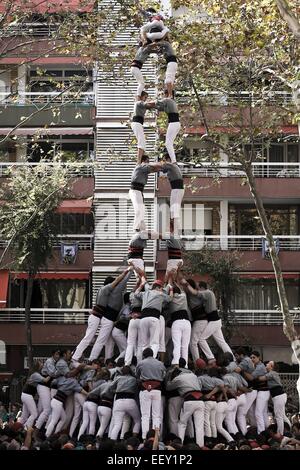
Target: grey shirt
<point>260,369</point>
<point>167,105</point>
<point>124,384</point>
<point>273,379</point>
<point>35,379</point>
<point>173,171</point>
<point>178,302</point>
<point>150,369</point>
<point>62,368</point>
<point>209,299</point>
<point>231,382</point>
<point>184,383</point>
<point>49,367</point>
<point>68,385</point>
<point>135,302</point>
<point>153,298</point>
<point>140,174</point>
<point>103,294</point>
<point>209,383</point>
<point>115,299</point>
<point>140,108</point>
<point>246,365</point>
<point>137,241</point>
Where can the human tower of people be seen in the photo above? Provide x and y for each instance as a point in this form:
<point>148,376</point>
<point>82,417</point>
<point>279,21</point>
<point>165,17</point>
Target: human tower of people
<point>136,392</point>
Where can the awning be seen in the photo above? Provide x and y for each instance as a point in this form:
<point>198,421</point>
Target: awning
<point>4,277</point>
<point>47,131</point>
<point>46,6</point>
<point>54,275</point>
<point>76,206</point>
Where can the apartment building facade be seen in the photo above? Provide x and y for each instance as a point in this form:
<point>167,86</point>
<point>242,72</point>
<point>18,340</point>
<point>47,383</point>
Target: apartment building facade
<point>221,216</point>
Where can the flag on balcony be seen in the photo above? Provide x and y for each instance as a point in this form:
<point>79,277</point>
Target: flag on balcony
<point>265,247</point>
<point>68,252</point>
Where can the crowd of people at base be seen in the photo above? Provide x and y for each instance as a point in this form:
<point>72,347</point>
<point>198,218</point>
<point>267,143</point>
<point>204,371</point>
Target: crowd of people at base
<point>106,405</point>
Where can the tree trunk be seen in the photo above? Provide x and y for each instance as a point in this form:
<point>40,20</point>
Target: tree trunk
<point>288,323</point>
<point>287,14</point>
<point>28,320</point>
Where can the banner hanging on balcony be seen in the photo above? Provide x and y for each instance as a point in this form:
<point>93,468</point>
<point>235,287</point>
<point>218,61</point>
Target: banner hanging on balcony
<point>68,252</point>
<point>265,250</point>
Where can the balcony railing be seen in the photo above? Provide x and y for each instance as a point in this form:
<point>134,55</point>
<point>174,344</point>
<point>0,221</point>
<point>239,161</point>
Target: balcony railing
<point>235,242</point>
<point>217,98</point>
<point>74,169</point>
<point>234,170</point>
<point>38,97</point>
<point>85,242</point>
<point>79,316</point>
<point>30,29</point>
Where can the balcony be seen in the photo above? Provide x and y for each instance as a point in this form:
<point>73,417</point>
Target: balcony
<point>234,170</point>
<point>216,98</point>
<point>75,109</point>
<point>80,316</point>
<point>74,169</point>
<point>85,242</point>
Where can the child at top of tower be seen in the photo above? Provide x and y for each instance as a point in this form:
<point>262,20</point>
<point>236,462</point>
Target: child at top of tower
<point>154,30</point>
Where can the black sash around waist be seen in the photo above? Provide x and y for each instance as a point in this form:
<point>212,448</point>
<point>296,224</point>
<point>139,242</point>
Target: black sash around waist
<point>260,386</point>
<point>135,252</point>
<point>137,186</point>
<point>177,184</point>
<point>155,29</point>
<point>213,316</point>
<point>174,253</point>
<point>95,400</point>
<point>275,391</point>
<point>60,396</point>
<point>139,119</point>
<point>179,315</point>
<point>122,324</point>
<point>194,395</point>
<point>150,312</point>
<point>121,395</point>
<point>111,313</point>
<point>29,389</point>
<point>173,117</point>
<point>48,383</point>
<point>106,402</point>
<point>198,313</point>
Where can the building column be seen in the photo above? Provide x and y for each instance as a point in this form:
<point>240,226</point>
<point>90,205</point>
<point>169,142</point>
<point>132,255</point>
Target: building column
<point>21,83</point>
<point>224,224</point>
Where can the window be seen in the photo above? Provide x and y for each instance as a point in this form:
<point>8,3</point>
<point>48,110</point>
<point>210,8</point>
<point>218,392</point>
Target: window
<point>68,150</point>
<point>69,224</point>
<point>55,80</point>
<point>196,219</point>
<point>261,294</point>
<point>245,220</point>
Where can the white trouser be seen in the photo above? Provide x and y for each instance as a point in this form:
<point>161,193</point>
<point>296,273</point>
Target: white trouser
<point>230,416</point>
<point>174,407</point>
<point>139,209</point>
<point>89,418</point>
<point>149,331</point>
<point>119,338</point>
<point>220,416</point>
<point>92,327</point>
<point>210,409</point>
<point>138,130</point>
<point>29,410</point>
<point>58,417</point>
<point>175,203</point>
<point>137,73</point>
<point>172,131</point>
<point>279,411</point>
<point>162,336</point>
<point>79,400</point>
<point>44,394</point>
<point>261,410</point>
<point>193,409</point>
<point>171,72</point>
<point>133,341</point>
<point>214,329</point>
<point>150,406</point>
<point>197,330</point>
<point>136,263</point>
<point>125,424</point>
<point>69,410</point>
<point>181,334</point>
<point>121,407</point>
<point>104,415</point>
<point>244,403</point>
<point>106,327</point>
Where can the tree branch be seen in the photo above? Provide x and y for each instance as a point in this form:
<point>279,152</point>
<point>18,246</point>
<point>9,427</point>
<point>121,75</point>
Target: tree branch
<point>289,17</point>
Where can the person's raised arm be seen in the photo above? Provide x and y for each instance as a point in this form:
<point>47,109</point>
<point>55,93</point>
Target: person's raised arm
<point>189,288</point>
<point>121,277</point>
<point>154,167</point>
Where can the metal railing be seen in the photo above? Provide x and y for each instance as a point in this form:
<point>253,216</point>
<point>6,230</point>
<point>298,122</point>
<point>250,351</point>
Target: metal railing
<point>85,169</point>
<point>45,315</point>
<point>79,316</point>
<point>39,97</point>
<point>30,29</point>
<point>221,99</point>
<point>235,242</point>
<point>234,170</point>
<point>84,241</point>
